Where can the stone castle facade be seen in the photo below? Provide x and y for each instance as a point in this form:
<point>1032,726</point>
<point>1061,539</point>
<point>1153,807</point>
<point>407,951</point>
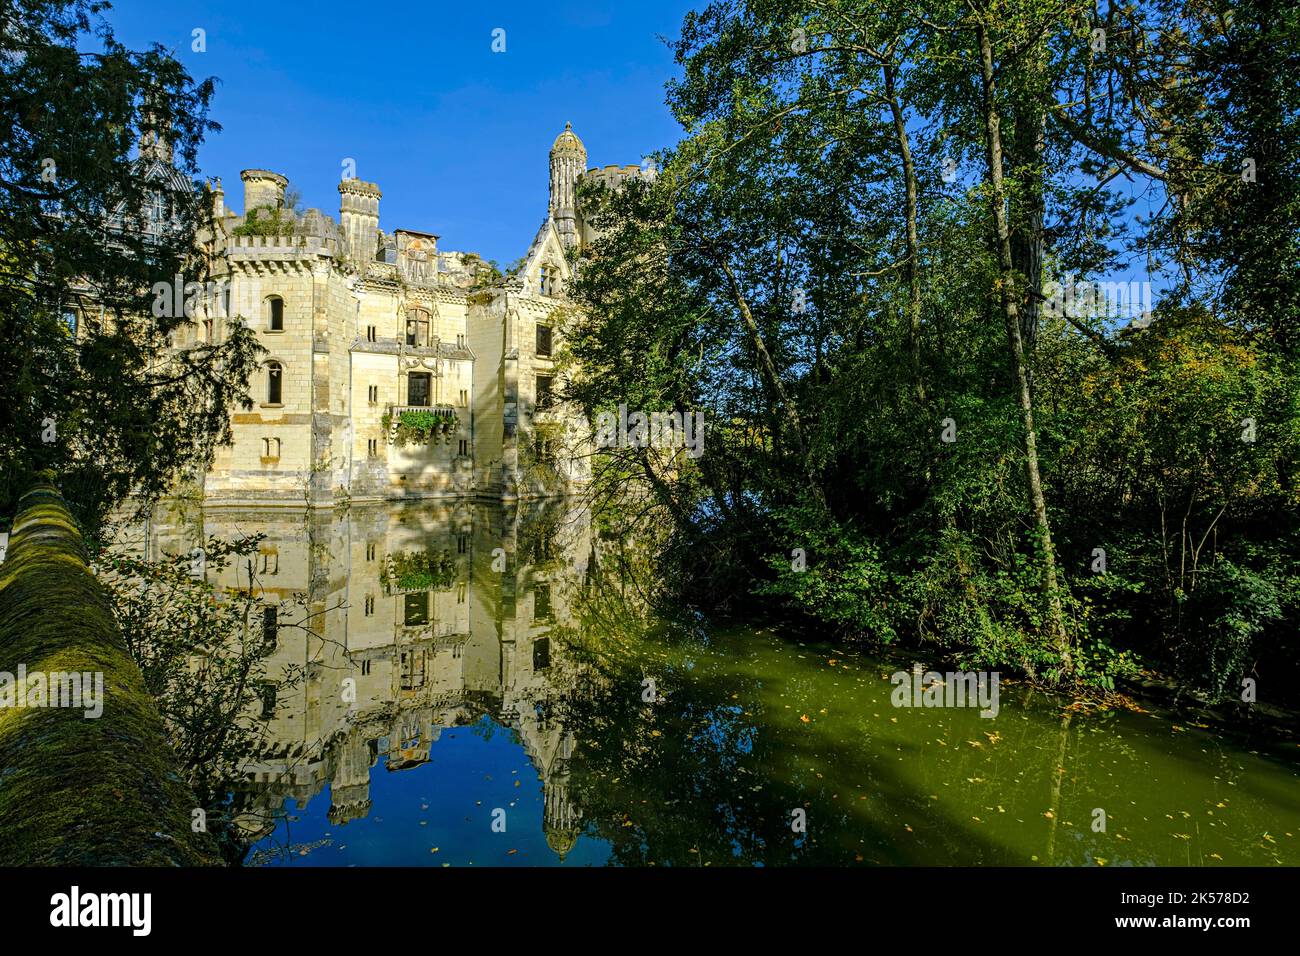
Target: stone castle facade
<point>362,326</point>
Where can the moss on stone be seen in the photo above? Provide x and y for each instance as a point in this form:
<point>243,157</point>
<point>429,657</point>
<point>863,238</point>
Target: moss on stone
<point>76,790</point>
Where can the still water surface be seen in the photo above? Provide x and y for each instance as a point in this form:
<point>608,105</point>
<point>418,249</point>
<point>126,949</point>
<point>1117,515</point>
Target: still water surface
<point>494,712</point>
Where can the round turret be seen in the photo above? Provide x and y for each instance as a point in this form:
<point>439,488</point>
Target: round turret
<point>568,160</point>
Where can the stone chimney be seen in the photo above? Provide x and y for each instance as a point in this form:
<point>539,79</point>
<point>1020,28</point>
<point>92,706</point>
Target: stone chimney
<point>359,218</point>
<point>262,188</point>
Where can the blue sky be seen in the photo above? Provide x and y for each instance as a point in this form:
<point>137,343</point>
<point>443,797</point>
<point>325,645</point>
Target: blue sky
<point>455,135</point>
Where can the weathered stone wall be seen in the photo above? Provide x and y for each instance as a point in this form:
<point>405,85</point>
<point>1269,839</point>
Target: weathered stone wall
<point>78,790</point>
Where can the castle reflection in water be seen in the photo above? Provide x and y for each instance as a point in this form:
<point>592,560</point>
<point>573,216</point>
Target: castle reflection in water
<point>400,620</point>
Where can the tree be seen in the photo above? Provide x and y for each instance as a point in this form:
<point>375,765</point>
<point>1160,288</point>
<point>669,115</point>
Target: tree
<point>98,207</point>
<point>851,259</point>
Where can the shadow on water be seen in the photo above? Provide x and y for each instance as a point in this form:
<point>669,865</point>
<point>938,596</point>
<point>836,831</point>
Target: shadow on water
<point>478,687</point>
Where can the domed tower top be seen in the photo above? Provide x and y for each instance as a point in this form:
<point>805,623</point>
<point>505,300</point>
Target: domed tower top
<point>568,142</point>
<point>568,163</point>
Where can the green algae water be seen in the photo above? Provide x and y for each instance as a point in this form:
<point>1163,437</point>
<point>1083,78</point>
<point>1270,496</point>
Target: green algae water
<point>520,706</point>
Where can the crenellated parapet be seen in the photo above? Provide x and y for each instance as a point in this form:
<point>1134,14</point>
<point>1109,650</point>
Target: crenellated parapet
<point>615,176</point>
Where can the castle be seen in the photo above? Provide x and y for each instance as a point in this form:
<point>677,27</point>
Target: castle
<point>394,368</point>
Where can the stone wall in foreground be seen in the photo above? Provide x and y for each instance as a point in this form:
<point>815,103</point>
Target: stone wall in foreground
<point>78,790</point>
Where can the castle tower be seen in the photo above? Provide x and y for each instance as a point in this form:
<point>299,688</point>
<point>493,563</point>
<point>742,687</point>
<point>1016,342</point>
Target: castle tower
<point>154,143</point>
<point>359,217</point>
<point>568,163</point>
<point>262,189</point>
<point>561,820</point>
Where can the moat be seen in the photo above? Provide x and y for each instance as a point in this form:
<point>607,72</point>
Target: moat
<point>477,685</point>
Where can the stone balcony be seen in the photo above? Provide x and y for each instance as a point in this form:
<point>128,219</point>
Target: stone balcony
<point>396,410</point>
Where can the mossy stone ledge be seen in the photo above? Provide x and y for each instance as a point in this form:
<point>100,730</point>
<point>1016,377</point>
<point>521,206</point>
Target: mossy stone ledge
<point>78,790</point>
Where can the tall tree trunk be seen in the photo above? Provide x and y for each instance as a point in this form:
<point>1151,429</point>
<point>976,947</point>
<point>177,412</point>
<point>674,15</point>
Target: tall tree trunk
<point>1027,240</point>
<point>1015,345</point>
<point>913,244</point>
<point>771,379</point>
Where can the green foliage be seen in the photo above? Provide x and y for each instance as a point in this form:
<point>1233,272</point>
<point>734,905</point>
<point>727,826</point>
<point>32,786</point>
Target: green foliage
<point>420,427</point>
<point>202,652</point>
<point>778,275</point>
<point>114,408</point>
<point>1223,621</point>
<point>418,571</point>
<point>266,221</point>
<point>840,575</point>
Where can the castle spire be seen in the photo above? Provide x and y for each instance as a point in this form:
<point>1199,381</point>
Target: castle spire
<point>155,142</point>
<point>568,163</point>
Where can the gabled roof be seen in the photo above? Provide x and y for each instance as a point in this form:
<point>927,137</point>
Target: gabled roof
<point>153,171</point>
<point>546,248</point>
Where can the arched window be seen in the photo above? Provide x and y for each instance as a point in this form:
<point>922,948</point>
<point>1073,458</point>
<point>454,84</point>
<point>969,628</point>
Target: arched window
<point>275,313</point>
<point>274,383</point>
